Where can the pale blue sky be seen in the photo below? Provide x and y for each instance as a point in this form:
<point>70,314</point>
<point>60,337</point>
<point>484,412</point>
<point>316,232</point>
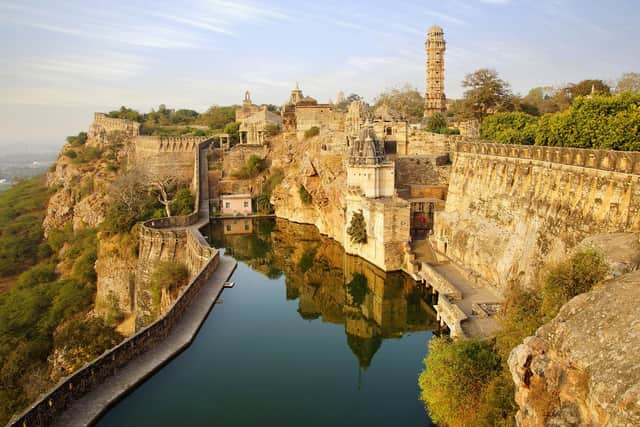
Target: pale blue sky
<point>63,60</point>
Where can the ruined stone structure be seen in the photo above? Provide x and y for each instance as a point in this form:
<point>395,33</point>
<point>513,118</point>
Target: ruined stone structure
<point>371,192</point>
<point>434,99</point>
<point>511,208</point>
<point>255,122</point>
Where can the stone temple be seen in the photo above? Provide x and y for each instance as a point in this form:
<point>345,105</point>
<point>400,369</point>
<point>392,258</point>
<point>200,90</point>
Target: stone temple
<point>434,99</point>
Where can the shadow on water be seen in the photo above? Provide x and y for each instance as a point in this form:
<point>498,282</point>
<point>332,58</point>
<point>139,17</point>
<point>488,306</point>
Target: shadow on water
<point>309,336</point>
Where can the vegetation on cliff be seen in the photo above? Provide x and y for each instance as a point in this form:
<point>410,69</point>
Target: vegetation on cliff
<point>22,210</point>
<point>305,197</point>
<point>58,289</point>
<point>468,383</point>
<point>357,229</point>
<point>167,277</point>
<point>599,121</point>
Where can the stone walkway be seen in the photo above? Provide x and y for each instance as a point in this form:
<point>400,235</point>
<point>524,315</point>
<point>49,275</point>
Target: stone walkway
<point>87,409</point>
<point>475,326</point>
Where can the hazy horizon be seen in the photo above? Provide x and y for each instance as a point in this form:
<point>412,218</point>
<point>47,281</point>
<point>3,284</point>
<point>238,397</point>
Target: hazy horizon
<point>65,61</point>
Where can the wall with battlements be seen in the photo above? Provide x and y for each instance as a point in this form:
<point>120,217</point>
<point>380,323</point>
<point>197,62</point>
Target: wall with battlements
<point>168,153</point>
<point>422,142</point>
<point>103,124</point>
<point>511,209</point>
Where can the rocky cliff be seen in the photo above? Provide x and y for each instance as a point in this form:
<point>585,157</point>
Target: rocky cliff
<point>581,369</point>
<point>323,176</point>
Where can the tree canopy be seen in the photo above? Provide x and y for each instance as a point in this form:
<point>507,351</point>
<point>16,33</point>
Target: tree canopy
<point>485,93</point>
<point>406,100</point>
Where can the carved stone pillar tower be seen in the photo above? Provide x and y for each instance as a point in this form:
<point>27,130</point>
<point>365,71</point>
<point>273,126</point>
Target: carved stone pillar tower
<point>435,100</point>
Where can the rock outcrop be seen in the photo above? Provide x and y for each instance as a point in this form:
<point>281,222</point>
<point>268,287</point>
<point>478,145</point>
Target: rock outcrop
<point>323,176</point>
<point>582,368</point>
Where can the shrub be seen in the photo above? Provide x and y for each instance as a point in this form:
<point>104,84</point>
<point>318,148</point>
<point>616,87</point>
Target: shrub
<point>70,154</point>
<point>311,132</point>
<point>455,375</point>
<point>88,154</point>
<point>305,196</point>
<point>82,340</point>
<point>183,202</point>
<point>436,121</point>
<point>510,128</point>
<point>570,278</point>
<point>77,140</point>
<point>169,276</point>
<point>273,130</point>
<point>357,229</point>
<point>255,165</point>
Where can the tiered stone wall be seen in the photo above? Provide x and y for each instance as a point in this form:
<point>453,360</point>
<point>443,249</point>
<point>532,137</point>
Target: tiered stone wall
<point>512,209</point>
<point>424,169</point>
<point>321,116</point>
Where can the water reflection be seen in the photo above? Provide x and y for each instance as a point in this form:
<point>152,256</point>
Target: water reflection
<point>329,284</point>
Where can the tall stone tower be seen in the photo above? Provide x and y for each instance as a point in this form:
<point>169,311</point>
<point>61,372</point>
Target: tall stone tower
<point>435,100</point>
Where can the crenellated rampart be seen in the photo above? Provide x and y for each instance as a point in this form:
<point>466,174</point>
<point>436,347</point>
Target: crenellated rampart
<point>103,124</point>
<point>171,144</point>
<point>512,209</point>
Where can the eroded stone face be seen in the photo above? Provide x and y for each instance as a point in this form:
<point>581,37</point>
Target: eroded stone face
<point>581,369</point>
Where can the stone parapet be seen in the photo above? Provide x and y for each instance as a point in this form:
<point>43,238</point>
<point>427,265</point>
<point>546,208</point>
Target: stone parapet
<point>169,143</point>
<point>451,315</point>
<point>103,124</point>
<point>606,160</point>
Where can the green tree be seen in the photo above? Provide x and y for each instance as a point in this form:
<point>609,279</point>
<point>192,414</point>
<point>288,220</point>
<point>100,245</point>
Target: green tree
<point>509,128</point>
<point>436,121</point>
<point>233,129</point>
<point>455,375</point>
<point>406,100</point>
<point>217,117</point>
<point>485,93</point>
<point>77,140</point>
<point>183,203</point>
<point>168,276</point>
<point>357,229</point>
<point>588,87</point>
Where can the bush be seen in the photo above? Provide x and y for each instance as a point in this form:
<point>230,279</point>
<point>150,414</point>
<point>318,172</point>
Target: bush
<point>22,210</point>
<point>311,132</point>
<point>255,165</point>
<point>70,154</point>
<point>510,128</point>
<point>306,260</point>
<point>169,276</point>
<point>570,278</point>
<point>436,121</point>
<point>183,203</point>
<point>88,154</point>
<point>273,130</point>
<point>77,140</point>
<point>82,340</point>
<point>357,229</point>
<point>447,131</point>
<point>305,196</point>
<point>455,375</point>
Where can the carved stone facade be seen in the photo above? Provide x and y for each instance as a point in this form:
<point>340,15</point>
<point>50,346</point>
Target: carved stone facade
<point>255,122</point>
<point>435,99</point>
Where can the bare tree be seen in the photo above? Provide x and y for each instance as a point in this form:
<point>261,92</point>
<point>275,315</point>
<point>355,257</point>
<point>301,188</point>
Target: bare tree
<point>129,189</point>
<point>164,183</point>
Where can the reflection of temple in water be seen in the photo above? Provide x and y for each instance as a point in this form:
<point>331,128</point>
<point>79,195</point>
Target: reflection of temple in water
<point>332,286</point>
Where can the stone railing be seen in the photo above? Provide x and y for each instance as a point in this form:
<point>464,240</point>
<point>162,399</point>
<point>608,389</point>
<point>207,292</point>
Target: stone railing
<point>451,315</point>
<point>96,372</point>
<point>172,144</point>
<point>438,282</point>
<point>615,161</point>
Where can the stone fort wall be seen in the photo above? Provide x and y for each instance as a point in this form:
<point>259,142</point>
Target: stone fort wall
<point>103,124</point>
<point>168,153</point>
<point>511,209</point>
